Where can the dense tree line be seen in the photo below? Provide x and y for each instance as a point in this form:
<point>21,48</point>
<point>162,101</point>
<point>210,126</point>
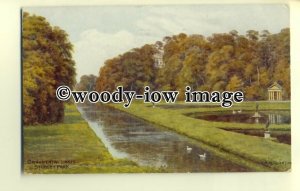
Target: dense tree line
<point>86,83</point>
<point>225,61</point>
<point>132,70</point>
<point>47,63</point>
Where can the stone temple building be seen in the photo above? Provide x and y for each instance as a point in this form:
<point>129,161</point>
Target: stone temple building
<point>275,92</point>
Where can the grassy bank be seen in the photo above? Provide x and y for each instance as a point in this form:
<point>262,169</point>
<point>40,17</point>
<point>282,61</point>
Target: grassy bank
<point>244,106</point>
<point>70,147</point>
<point>265,152</point>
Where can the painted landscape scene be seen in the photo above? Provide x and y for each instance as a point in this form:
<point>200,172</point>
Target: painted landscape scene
<point>178,48</point>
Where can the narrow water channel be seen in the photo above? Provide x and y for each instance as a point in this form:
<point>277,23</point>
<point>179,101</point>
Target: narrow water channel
<point>126,136</point>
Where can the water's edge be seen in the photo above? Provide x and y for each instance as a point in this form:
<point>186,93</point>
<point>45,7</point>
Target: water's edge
<point>250,165</point>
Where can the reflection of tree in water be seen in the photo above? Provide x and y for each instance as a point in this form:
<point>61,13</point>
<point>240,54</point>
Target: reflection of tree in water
<point>275,117</point>
<point>150,145</point>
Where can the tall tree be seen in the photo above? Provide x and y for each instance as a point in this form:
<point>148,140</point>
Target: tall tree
<point>47,63</point>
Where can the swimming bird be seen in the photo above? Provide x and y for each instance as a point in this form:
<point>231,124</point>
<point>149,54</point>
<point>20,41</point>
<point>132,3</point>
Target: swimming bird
<point>189,149</point>
<point>240,111</point>
<point>233,112</point>
<point>203,156</point>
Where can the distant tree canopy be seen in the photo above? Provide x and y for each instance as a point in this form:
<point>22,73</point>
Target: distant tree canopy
<point>86,83</point>
<point>47,63</point>
<point>226,61</point>
<point>132,70</point>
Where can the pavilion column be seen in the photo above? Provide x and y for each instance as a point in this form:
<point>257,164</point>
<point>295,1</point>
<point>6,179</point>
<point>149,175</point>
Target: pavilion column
<point>271,95</point>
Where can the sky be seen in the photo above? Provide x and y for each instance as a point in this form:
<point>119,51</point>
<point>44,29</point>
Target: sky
<point>102,32</point>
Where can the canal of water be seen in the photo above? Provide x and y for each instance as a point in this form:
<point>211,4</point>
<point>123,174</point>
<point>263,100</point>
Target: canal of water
<point>126,136</point>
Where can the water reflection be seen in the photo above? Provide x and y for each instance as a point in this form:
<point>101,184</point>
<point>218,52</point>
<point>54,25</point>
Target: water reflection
<point>147,144</point>
<point>274,117</point>
<point>280,136</point>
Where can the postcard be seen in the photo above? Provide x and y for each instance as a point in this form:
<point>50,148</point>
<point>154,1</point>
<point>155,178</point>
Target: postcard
<point>156,89</point>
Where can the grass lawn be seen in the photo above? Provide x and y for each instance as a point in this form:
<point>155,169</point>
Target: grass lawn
<point>244,106</point>
<point>70,147</point>
<point>276,156</point>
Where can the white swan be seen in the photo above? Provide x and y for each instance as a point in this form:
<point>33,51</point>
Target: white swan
<point>240,111</point>
<point>233,112</point>
<point>189,149</point>
<point>203,156</point>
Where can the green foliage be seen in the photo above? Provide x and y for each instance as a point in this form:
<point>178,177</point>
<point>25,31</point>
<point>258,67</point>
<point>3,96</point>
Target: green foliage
<point>47,63</point>
<point>226,61</point>
<point>72,140</point>
<point>234,84</point>
<point>87,83</point>
<point>133,70</point>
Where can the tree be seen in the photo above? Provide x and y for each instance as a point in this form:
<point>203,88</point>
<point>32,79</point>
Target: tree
<point>133,70</point>
<point>47,63</point>
<point>234,84</point>
<point>219,62</point>
<point>87,83</point>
